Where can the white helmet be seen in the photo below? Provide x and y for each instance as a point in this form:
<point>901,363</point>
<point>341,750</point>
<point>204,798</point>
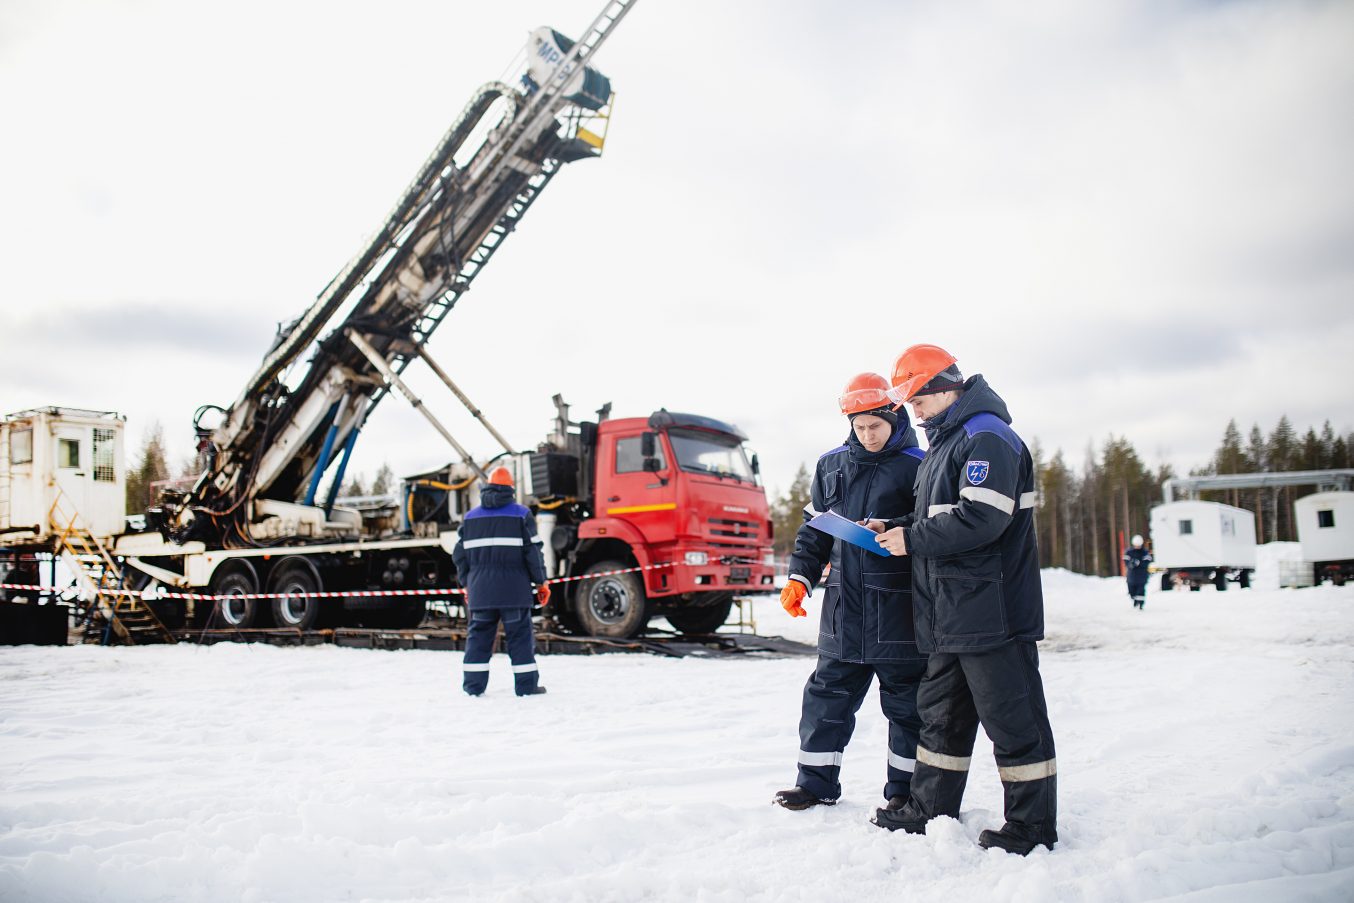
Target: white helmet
<point>1137,541</point>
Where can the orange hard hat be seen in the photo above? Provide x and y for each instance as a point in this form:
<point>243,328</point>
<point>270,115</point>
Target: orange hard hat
<point>864,392</point>
<point>916,367</point>
<point>500,477</point>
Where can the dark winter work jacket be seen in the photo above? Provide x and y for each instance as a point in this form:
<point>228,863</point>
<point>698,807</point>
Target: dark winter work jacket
<point>975,565</point>
<point>1135,567</point>
<point>498,553</point>
<point>867,605</point>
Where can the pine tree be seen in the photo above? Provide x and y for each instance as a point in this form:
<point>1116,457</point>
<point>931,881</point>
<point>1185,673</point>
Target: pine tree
<point>1283,448</point>
<point>787,512</point>
<point>384,482</point>
<point>150,467</point>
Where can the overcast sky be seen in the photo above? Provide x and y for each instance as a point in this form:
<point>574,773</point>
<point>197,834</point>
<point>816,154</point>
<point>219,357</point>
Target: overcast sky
<point>1135,218</point>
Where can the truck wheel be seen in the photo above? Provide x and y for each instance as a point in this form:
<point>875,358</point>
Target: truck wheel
<point>1245,580</point>
<point>614,605</point>
<point>1220,581</point>
<point>701,618</point>
<point>237,578</point>
<point>301,610</point>
<point>1167,584</point>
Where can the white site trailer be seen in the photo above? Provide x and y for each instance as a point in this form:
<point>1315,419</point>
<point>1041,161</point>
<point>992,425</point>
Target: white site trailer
<point>1325,523</point>
<point>57,463</point>
<point>1196,542</point>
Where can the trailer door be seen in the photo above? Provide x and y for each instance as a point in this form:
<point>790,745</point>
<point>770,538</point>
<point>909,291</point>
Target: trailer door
<point>71,464</point>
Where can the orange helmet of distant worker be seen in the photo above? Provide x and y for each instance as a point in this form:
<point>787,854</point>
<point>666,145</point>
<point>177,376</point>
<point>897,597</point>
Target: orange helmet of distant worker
<point>915,372</point>
<point>500,477</point>
<point>865,392</point>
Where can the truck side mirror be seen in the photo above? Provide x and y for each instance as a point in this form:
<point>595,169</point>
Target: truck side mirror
<point>647,444</point>
<point>756,465</point>
<point>652,465</point>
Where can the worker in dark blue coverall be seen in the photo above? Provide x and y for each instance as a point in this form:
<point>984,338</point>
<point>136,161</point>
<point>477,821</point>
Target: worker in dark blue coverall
<point>865,629</point>
<point>498,559</point>
<point>979,605</point>
<point>1136,562</point>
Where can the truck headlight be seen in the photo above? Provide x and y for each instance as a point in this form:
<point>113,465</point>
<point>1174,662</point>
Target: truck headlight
<point>699,559</point>
<point>769,559</point>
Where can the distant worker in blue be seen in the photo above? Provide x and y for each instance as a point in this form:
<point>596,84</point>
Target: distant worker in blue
<point>1136,561</point>
<point>979,605</point>
<point>498,562</point>
<point>865,628</point>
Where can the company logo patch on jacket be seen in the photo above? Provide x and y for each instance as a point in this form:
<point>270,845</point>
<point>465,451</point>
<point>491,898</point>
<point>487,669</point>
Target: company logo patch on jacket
<point>976,471</point>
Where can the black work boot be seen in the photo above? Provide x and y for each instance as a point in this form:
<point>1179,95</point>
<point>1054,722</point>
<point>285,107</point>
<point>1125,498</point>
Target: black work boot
<point>1009,840</point>
<point>536,692</point>
<point>798,798</point>
<point>899,816</point>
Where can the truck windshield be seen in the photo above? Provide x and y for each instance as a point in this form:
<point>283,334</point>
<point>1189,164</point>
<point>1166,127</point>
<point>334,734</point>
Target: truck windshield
<point>703,452</point>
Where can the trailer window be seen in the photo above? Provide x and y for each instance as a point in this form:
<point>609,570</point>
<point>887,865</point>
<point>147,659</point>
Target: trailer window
<point>704,452</point>
<point>630,457</point>
<point>103,456</point>
<point>68,453</point>
<point>1325,518</point>
<point>21,446</point>
<point>1186,527</point>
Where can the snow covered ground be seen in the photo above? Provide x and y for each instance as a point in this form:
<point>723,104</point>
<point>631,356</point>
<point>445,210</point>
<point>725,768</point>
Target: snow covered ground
<point>1205,751</point>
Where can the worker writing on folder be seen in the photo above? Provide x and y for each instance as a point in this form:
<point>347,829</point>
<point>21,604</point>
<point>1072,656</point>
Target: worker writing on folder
<point>865,626</point>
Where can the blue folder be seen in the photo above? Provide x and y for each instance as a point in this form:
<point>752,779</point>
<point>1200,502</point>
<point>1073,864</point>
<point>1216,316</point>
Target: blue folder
<point>834,524</point>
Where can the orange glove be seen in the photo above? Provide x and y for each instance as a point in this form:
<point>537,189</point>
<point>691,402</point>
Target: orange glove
<point>543,594</point>
<point>791,597</point>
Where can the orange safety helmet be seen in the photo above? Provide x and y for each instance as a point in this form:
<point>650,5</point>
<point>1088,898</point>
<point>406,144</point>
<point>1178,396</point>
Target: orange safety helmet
<point>865,392</point>
<point>500,477</point>
<point>916,367</point>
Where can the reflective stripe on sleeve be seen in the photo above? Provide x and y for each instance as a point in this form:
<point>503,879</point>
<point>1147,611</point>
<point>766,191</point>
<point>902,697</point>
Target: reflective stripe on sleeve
<point>473,667</point>
<point>811,511</point>
<point>898,762</point>
<point>804,580</point>
<point>819,758</point>
<point>536,538</point>
<point>1003,503</point>
<point>1028,499</point>
<point>524,669</point>
<point>940,760</point>
<point>493,541</point>
<point>1035,771</point>
<point>939,509</point>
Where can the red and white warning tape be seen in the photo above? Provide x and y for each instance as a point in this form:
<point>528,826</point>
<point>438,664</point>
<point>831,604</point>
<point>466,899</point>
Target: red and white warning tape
<point>161,593</point>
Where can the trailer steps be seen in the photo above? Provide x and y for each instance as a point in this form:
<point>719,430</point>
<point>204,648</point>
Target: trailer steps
<point>110,614</point>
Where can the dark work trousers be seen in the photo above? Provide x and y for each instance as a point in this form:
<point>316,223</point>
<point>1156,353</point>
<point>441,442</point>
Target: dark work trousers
<point>1137,590</point>
<point>1001,689</point>
<point>832,697</point>
<point>479,646</point>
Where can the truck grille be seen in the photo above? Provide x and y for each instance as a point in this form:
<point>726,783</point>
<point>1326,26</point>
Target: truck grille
<point>738,529</point>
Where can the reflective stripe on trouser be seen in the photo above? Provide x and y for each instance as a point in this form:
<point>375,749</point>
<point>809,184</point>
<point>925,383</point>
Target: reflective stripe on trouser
<point>1001,689</point>
<point>832,696</point>
<point>479,646</point>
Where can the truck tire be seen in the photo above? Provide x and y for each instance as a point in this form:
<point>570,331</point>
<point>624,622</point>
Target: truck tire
<point>1220,580</point>
<point>701,618</point>
<point>301,610</point>
<point>1245,580</point>
<point>1167,584</point>
<point>234,578</point>
<point>611,606</point>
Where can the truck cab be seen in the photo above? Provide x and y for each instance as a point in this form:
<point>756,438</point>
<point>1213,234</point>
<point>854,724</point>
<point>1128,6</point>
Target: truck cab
<point>675,523</point>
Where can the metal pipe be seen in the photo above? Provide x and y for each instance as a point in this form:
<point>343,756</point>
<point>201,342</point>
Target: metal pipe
<point>455,390</point>
<point>1336,479</point>
<point>393,378</point>
<point>325,449</point>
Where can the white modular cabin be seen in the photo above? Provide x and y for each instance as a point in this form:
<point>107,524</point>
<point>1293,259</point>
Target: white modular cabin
<point>59,464</point>
<point>1325,522</point>
<point>1197,534</point>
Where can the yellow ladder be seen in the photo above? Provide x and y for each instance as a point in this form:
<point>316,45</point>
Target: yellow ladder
<point>99,579</point>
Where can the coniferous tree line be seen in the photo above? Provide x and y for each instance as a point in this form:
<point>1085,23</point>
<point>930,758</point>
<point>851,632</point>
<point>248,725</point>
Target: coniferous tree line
<point>1086,512</point>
